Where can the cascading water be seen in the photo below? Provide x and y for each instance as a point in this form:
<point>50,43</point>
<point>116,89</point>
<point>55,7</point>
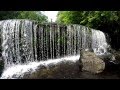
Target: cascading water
<point>18,43</point>
<point>25,41</point>
<point>99,43</point>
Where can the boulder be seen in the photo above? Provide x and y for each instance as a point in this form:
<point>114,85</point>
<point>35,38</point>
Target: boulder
<point>92,63</point>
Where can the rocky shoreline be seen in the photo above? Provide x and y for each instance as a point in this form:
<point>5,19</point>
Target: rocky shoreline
<point>93,67</point>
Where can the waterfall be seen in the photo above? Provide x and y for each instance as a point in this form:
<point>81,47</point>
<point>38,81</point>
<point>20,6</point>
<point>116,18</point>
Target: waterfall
<point>18,44</point>
<point>25,41</point>
<point>99,43</point>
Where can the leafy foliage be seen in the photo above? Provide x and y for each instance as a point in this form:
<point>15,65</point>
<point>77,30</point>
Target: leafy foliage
<point>106,21</point>
<point>33,15</point>
<point>8,15</point>
<point>88,18</point>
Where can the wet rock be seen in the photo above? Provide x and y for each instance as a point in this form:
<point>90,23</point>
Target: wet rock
<point>1,66</point>
<point>107,58</point>
<point>112,61</point>
<point>62,70</point>
<point>113,57</point>
<point>117,57</point>
<point>92,63</point>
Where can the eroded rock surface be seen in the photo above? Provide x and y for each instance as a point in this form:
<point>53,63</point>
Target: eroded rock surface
<point>92,63</point>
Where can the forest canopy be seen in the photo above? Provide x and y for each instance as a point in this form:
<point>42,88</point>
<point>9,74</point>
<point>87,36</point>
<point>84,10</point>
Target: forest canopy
<point>32,15</point>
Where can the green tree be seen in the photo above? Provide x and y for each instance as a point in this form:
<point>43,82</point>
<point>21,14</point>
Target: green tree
<point>32,15</point>
<point>69,17</point>
<point>107,21</point>
<point>8,15</point>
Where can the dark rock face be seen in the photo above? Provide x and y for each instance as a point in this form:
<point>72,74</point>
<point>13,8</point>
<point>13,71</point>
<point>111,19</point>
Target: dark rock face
<point>107,58</point>
<point>117,57</point>
<point>112,57</point>
<point>1,66</point>
<point>112,62</point>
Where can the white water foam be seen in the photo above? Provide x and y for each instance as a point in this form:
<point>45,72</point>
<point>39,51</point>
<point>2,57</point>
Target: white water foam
<point>17,71</point>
